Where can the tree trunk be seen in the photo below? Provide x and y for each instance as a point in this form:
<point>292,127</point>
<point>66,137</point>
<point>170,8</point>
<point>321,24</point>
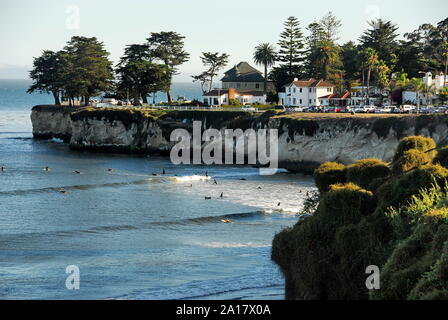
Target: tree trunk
<point>136,98</point>
<point>368,85</point>
<point>86,100</point>
<point>145,97</point>
<point>169,96</point>
<point>265,78</point>
<point>56,98</point>
<point>446,71</point>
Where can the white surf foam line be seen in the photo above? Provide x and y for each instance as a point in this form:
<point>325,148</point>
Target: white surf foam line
<point>190,178</point>
<point>217,244</point>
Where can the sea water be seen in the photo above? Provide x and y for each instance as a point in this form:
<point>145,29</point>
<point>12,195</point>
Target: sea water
<point>132,232</point>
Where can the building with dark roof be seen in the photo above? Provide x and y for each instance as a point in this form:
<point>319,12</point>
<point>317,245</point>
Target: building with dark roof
<point>245,77</point>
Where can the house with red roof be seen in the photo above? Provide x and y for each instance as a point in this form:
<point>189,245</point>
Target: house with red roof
<point>305,93</point>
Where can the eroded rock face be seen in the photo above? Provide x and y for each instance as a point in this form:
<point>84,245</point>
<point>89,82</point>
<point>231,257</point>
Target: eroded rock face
<point>303,144</point>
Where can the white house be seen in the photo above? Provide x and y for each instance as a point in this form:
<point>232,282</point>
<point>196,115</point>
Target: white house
<point>305,93</point>
<point>223,96</point>
<point>436,83</point>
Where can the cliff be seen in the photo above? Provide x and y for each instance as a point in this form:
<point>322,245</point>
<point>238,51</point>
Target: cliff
<point>305,140</point>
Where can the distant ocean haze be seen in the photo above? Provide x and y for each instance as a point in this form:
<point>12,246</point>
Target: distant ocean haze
<point>13,94</point>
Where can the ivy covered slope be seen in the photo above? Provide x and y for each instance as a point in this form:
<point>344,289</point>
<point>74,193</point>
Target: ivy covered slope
<point>393,215</point>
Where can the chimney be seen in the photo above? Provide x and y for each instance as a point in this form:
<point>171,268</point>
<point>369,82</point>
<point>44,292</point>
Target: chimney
<point>231,93</point>
<point>296,79</point>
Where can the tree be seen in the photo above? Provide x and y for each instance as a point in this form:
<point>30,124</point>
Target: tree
<point>445,54</point>
<point>443,95</point>
<point>327,57</point>
<point>418,86</point>
<point>382,38</point>
<point>291,47</point>
<point>139,75</point>
<point>215,62</point>
<point>331,26</point>
<point>204,80</point>
<point>265,55</point>
<point>91,70</point>
<point>48,74</point>
<point>371,60</point>
<point>352,60</point>
<point>168,47</point>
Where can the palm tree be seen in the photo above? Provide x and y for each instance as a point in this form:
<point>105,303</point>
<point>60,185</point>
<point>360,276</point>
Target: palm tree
<point>371,62</point>
<point>265,55</point>
<point>418,86</point>
<point>326,55</point>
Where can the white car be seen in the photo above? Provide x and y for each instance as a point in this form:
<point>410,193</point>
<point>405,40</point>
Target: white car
<point>385,109</point>
<point>249,109</point>
<point>296,109</point>
<point>365,109</point>
<point>407,108</point>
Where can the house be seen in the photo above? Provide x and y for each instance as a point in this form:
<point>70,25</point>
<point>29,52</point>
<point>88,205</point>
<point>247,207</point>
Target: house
<point>365,95</point>
<point>305,93</point>
<point>336,100</point>
<point>435,83</point>
<point>245,77</point>
<point>223,96</point>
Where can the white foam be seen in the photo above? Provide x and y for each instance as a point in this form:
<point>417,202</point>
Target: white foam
<point>232,245</point>
<point>190,178</point>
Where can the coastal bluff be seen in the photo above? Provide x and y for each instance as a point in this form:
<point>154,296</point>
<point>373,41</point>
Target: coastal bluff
<point>305,140</point>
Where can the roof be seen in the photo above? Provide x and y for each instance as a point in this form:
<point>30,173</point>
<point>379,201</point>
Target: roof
<point>243,72</point>
<point>214,93</point>
<point>310,83</point>
<point>345,95</point>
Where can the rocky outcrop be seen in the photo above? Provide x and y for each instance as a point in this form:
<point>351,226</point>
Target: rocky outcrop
<point>304,143</point>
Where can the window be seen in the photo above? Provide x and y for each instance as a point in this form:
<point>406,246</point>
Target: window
<point>300,101</point>
<point>294,90</point>
<point>311,89</point>
<point>205,101</point>
<point>224,100</point>
<point>310,101</point>
<point>294,101</point>
<point>215,101</point>
<point>257,86</point>
<point>300,90</point>
<point>329,90</point>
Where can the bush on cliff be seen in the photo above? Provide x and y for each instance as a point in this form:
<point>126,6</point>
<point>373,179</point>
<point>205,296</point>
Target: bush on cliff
<point>363,172</point>
<point>442,157</point>
<point>308,254</point>
<point>400,190</point>
<point>423,144</point>
<point>400,225</point>
<point>327,174</point>
<point>418,266</point>
<point>410,160</point>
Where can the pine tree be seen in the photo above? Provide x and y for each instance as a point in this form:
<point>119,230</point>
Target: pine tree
<point>291,47</point>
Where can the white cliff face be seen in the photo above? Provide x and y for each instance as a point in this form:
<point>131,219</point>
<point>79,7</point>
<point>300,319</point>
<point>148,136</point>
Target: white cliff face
<point>299,149</point>
<point>51,123</point>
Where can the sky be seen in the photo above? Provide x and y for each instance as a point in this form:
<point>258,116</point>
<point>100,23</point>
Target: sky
<point>27,27</point>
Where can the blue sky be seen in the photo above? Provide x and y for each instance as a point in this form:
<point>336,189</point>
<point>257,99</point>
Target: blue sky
<point>233,26</point>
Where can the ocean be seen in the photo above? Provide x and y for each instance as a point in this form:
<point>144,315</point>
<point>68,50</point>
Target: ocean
<point>131,234</point>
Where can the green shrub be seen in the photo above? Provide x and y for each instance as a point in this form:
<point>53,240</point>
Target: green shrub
<point>410,159</point>
<point>400,190</point>
<point>442,157</point>
<point>423,144</point>
<point>362,172</point>
<point>327,174</point>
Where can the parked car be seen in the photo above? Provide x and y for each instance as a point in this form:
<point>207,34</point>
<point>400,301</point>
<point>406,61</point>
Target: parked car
<point>249,109</point>
<point>365,109</point>
<point>296,109</point>
<point>385,109</point>
<point>407,108</point>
